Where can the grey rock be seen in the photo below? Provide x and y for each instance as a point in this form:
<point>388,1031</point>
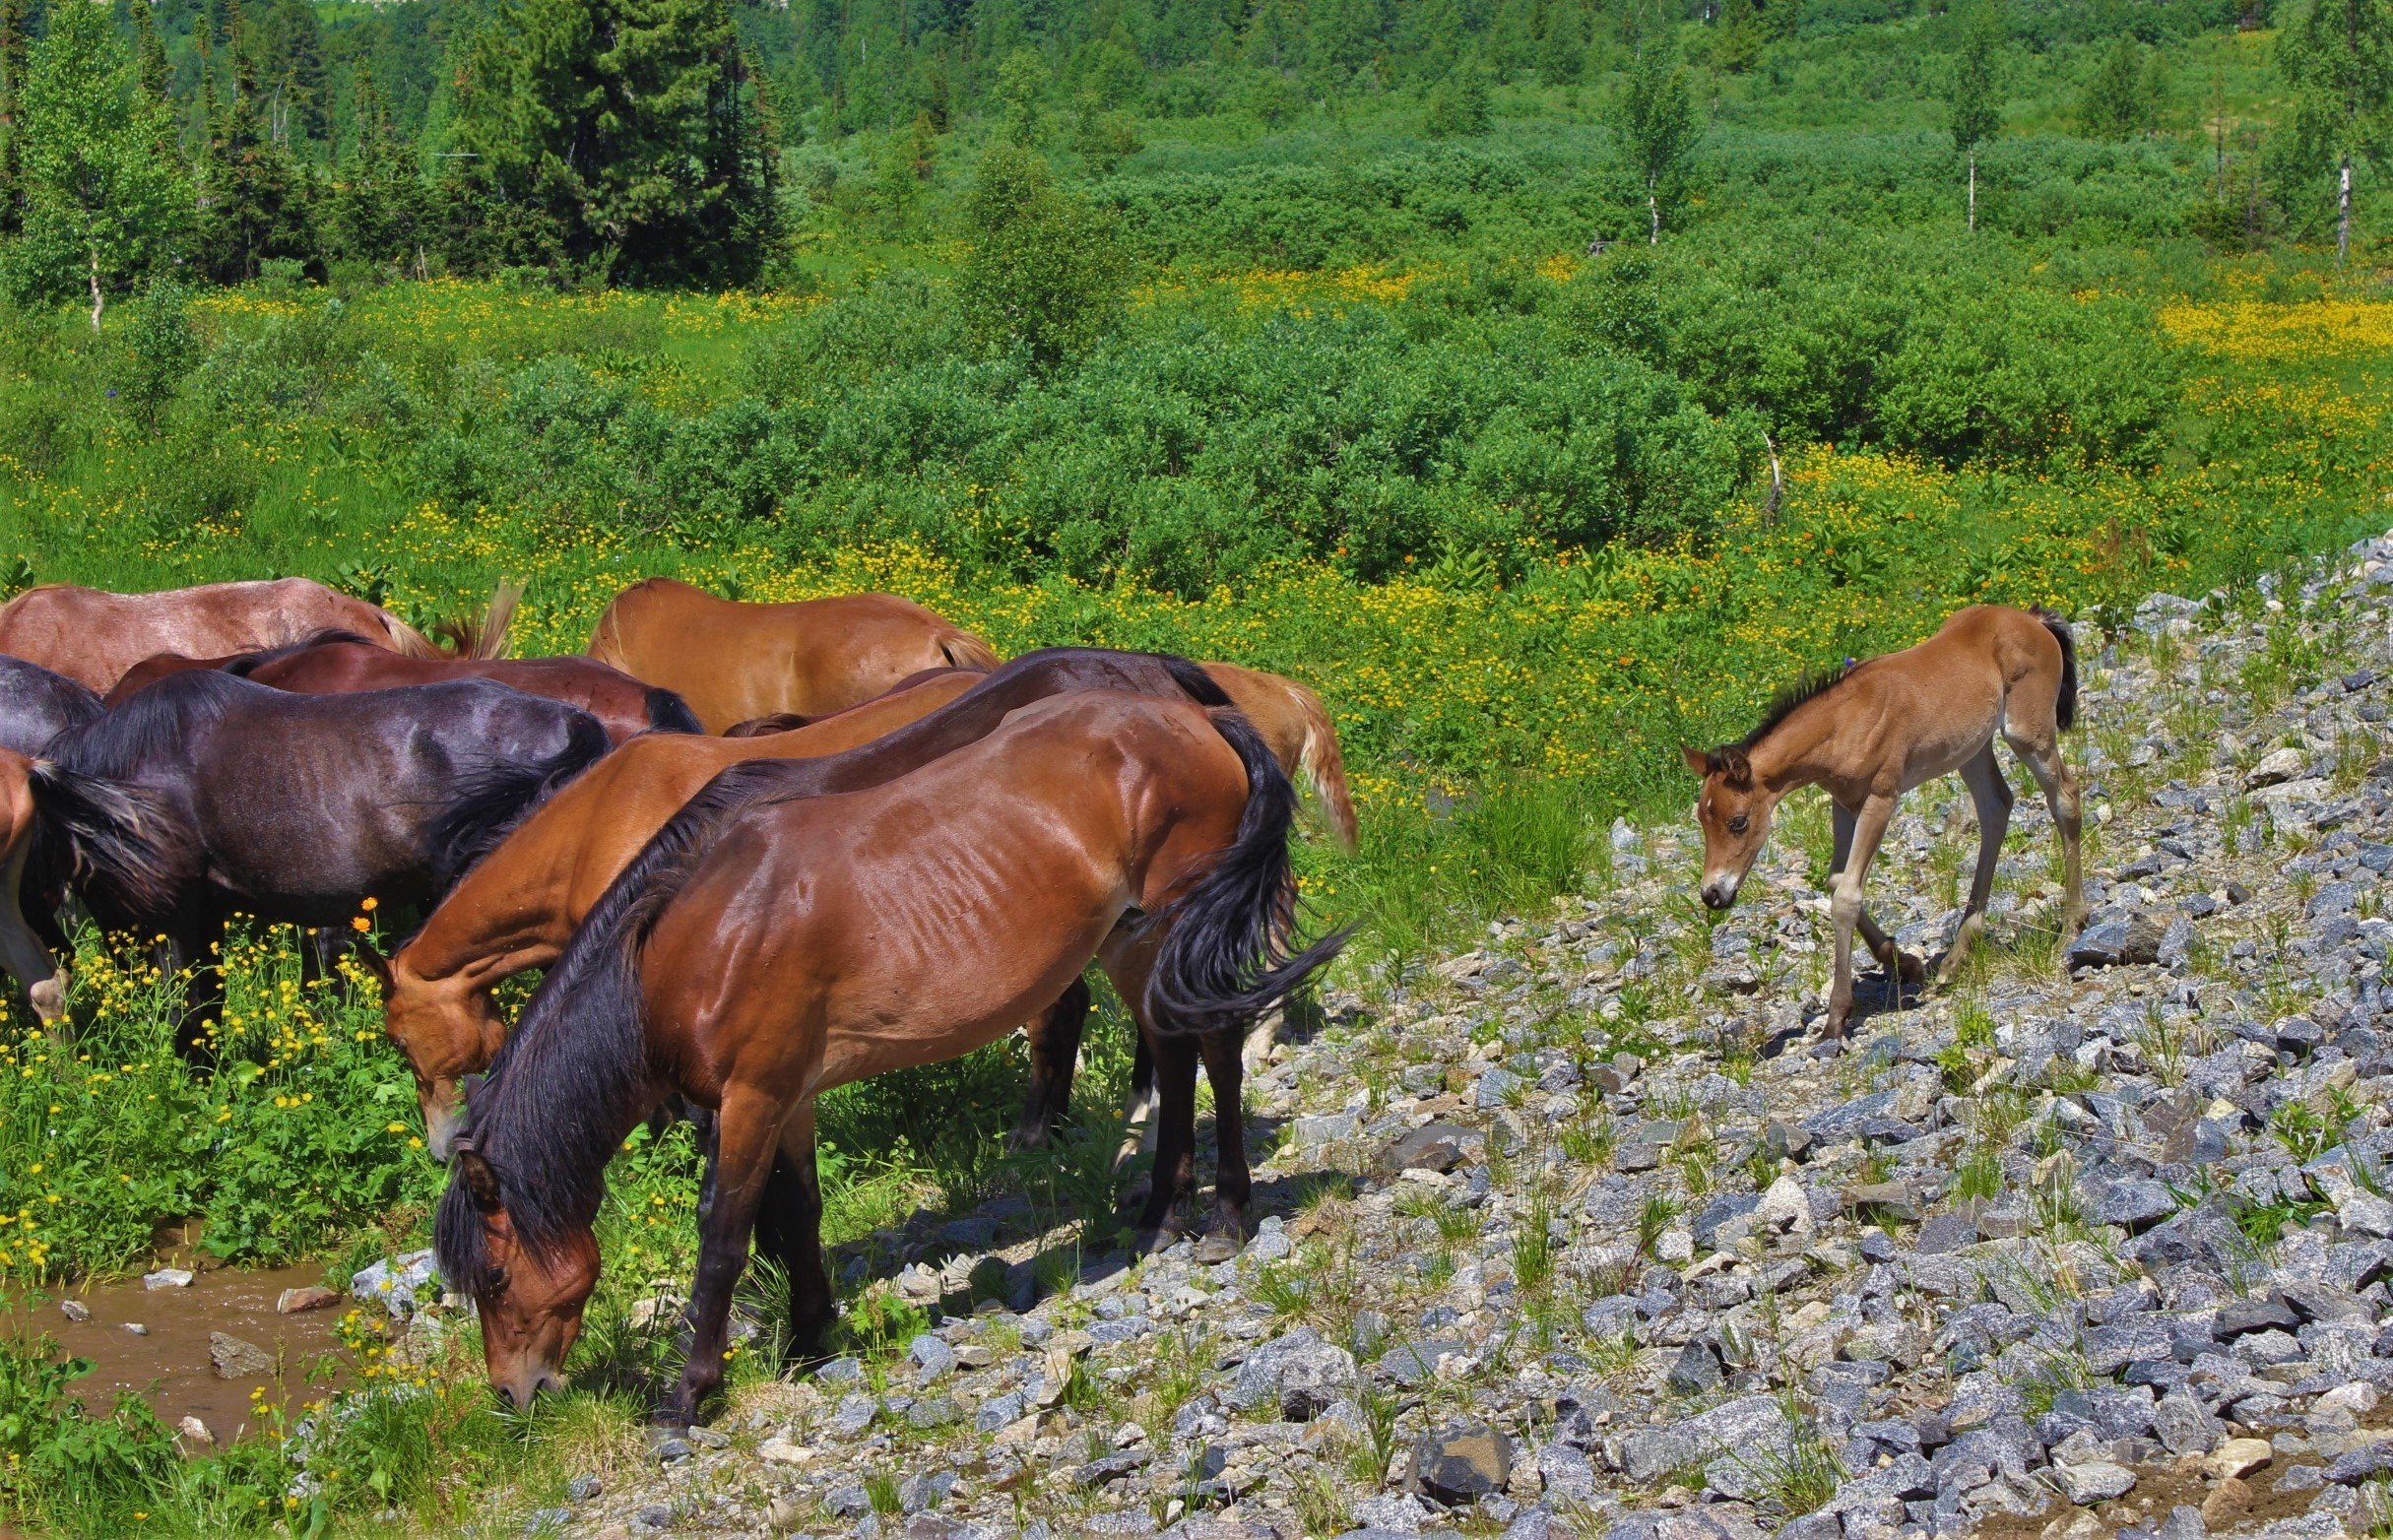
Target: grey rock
<point>2095,1482</point>
<point>1299,1374</point>
<point>1459,1464</point>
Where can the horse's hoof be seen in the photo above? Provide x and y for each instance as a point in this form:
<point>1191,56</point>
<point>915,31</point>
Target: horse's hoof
<point>1217,1247</point>
<point>1156,1242</point>
<point>1909,969</point>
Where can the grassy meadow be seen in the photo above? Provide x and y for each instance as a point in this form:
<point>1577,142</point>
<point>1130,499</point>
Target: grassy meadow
<point>1363,412</point>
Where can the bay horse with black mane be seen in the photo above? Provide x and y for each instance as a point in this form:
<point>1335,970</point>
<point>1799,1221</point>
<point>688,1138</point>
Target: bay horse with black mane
<point>207,794</point>
<point>762,950</point>
<point>343,662</point>
<point>1873,731</point>
<point>517,909</point>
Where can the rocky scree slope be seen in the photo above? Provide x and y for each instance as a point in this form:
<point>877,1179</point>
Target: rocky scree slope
<point>1580,1233</point>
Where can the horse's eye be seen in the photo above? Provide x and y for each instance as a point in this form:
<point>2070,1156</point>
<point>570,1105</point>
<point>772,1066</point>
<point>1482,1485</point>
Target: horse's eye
<point>1737,825</point>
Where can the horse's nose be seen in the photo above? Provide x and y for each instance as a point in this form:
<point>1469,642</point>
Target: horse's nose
<point>1718,894</point>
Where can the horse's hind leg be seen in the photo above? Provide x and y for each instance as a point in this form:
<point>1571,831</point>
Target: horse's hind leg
<point>186,946</point>
<point>1176,1136</point>
<point>789,1231</point>
<point>1992,794</point>
<point>1055,1053</point>
<point>1845,906</point>
<point>2038,746</point>
<point>1898,964</point>
<point>748,1137</point>
<point>1233,1182</point>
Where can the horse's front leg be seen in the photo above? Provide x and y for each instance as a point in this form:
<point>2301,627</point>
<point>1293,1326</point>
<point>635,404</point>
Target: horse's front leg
<point>1054,1055</point>
<point>1844,907</point>
<point>747,1135</point>
<point>1898,964</point>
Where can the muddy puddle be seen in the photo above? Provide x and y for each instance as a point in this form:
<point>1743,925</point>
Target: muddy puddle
<point>169,1363</point>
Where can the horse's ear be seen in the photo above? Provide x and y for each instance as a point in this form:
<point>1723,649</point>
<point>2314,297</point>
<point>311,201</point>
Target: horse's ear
<point>373,962</point>
<point>1697,760</point>
<point>481,1183</point>
<point>1735,766</point>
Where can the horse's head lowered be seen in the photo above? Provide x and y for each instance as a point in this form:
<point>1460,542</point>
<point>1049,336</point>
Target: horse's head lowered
<point>529,1298</point>
<point>1734,811</point>
<point>447,1032</point>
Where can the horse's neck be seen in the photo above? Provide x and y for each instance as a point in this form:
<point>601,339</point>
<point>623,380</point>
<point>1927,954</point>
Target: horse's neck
<point>1800,751</point>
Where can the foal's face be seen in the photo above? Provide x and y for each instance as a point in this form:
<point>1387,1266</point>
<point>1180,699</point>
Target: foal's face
<point>1735,813</point>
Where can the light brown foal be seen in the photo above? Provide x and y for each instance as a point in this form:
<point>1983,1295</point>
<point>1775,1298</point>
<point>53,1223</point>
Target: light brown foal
<point>1879,729</point>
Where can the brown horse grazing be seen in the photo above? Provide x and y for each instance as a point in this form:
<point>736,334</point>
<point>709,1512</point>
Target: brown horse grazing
<point>518,907</point>
<point>763,950</point>
<point>1293,720</point>
<point>94,637</point>
<point>1879,729</point>
<point>340,664</point>
<point>21,951</point>
<point>734,662</point>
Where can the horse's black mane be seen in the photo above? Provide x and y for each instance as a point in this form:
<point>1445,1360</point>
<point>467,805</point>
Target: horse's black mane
<point>551,1110</point>
<point>248,663</point>
<point>154,723</point>
<point>1789,700</point>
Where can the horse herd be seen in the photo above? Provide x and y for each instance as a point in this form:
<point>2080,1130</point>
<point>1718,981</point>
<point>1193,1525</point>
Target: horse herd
<point>762,850</point>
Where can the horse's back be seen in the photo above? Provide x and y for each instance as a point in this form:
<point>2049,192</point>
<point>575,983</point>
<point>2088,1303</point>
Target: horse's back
<point>734,661</point>
<point>95,636</point>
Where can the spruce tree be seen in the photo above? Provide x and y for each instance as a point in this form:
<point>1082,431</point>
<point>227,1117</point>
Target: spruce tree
<point>619,136</point>
<point>255,196</point>
<point>2113,105</point>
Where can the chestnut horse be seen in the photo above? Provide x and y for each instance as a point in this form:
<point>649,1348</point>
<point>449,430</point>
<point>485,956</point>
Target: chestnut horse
<point>762,950</point>
<point>23,951</point>
<point>517,909</point>
<point>205,794</point>
<point>1875,731</point>
<point>340,663</point>
<point>734,662</point>
<point>94,637</point>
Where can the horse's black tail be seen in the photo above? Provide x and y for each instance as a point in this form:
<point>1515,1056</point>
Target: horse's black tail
<point>1225,959</point>
<point>111,838</point>
<point>579,1055</point>
<point>2064,705</point>
<point>1203,687</point>
<point>492,798</point>
<point>668,712</point>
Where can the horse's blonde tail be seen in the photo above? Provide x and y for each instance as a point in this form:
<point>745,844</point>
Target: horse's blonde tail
<point>408,641</point>
<point>967,651</point>
<point>491,639</point>
<point>606,639</point>
<point>1325,767</point>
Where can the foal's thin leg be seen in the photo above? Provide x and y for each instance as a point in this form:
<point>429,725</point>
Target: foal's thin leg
<point>1176,1140</point>
<point>1898,964</point>
<point>1844,905</point>
<point>1982,774</point>
<point>747,1135</point>
<point>1233,1182</point>
<point>1055,1053</point>
<point>2045,761</point>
